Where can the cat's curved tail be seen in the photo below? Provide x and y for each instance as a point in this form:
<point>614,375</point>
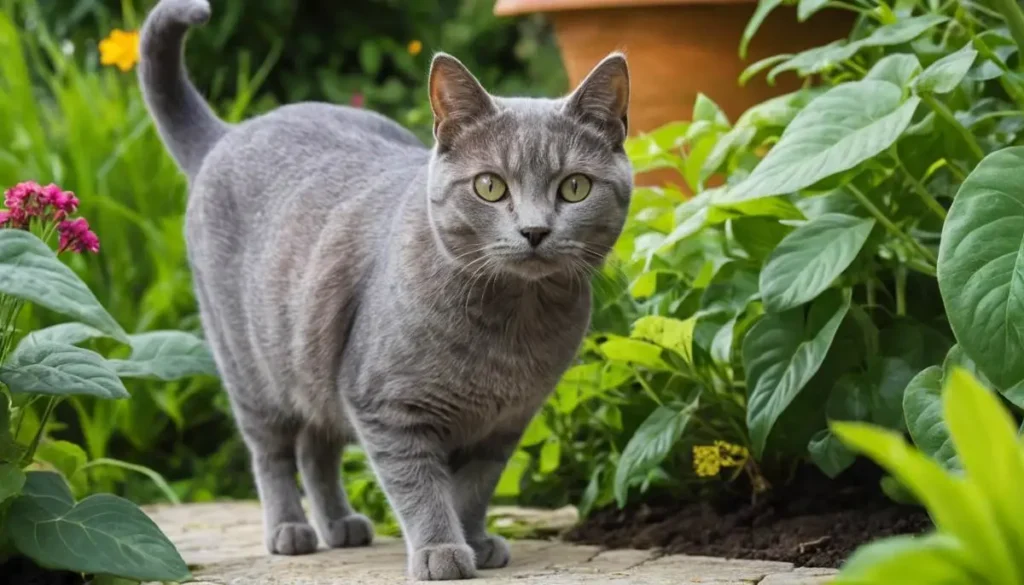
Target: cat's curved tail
<point>186,123</point>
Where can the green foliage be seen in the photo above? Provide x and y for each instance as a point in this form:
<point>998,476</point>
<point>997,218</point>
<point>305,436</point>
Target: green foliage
<point>813,276</point>
<point>979,536</point>
<point>39,517</point>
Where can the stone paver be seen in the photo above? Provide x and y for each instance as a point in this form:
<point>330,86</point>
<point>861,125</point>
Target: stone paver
<point>223,545</point>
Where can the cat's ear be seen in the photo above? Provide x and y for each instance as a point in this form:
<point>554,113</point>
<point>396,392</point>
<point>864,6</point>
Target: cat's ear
<point>456,97</point>
<point>603,97</point>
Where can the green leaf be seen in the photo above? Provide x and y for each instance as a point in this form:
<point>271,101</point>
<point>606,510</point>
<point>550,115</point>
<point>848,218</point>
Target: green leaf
<point>806,8</point>
<point>61,370</point>
<point>667,332</point>
<point>764,8</point>
<point>898,69</point>
<point>934,559</point>
<point>781,353</point>
<point>65,457</point>
<point>167,356</point>
<point>536,432</point>
<point>846,126</point>
<point>653,440</point>
<point>985,435</point>
<point>922,407</point>
<point>981,267</point>
<point>29,270</point>
<point>811,258</point>
<point>706,110</point>
<point>829,454</point>
<point>550,455</point>
<point>944,75</point>
<point>101,534</point>
<point>634,351</point>
<point>65,333</point>
<point>955,504</point>
<point>11,481</point>
<point>510,483</point>
<point>759,236</point>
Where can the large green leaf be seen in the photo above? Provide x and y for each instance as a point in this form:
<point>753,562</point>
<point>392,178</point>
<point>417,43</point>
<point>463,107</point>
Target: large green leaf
<point>935,559</point>
<point>103,534</point>
<point>65,333</point>
<point>649,445</point>
<point>61,370</point>
<point>846,126</point>
<point>634,351</point>
<point>922,407</point>
<point>985,435</point>
<point>955,504</point>
<point>945,74</point>
<point>981,266</point>
<point>781,353</point>
<point>29,270</point>
<point>166,355</point>
<point>898,69</point>
<point>809,259</point>
<point>829,453</point>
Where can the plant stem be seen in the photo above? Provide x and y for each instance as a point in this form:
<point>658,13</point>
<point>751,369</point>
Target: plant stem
<point>943,112</point>
<point>920,190</point>
<point>51,404</point>
<point>1015,20</point>
<point>647,388</point>
<point>901,291</point>
<point>891,227</point>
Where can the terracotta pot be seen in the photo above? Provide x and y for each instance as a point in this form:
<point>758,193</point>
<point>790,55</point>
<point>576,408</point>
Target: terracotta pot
<point>679,48</point>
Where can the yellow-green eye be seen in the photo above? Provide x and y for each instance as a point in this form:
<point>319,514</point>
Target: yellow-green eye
<point>489,187</point>
<point>575,188</point>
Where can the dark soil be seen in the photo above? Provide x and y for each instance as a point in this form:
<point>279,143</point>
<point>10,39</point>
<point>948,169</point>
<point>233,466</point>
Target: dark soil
<point>812,522</point>
<point>21,571</point>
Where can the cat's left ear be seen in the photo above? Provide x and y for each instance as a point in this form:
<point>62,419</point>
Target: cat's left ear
<point>603,97</point>
<point>456,98</point>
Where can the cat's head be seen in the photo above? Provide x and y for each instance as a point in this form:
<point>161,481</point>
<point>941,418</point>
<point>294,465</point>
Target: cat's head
<point>529,187</point>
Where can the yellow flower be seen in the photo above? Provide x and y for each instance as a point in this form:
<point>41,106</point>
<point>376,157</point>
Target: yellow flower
<point>731,455</point>
<point>121,49</point>
<point>706,460</point>
<point>415,47</point>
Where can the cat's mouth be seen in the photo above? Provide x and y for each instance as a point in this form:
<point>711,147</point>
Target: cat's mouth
<point>532,264</point>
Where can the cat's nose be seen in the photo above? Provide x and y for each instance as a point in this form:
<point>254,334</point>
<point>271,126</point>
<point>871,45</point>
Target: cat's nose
<point>535,235</point>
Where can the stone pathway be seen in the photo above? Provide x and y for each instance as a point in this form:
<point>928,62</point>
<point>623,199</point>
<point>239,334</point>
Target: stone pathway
<point>223,545</point>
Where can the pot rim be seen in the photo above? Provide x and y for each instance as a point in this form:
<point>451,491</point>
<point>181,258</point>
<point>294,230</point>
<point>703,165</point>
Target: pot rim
<point>519,7</point>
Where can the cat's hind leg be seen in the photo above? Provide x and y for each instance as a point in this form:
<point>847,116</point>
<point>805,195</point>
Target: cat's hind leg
<point>319,457</point>
<point>272,445</point>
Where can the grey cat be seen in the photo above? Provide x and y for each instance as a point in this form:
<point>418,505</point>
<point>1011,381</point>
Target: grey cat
<point>357,285</point>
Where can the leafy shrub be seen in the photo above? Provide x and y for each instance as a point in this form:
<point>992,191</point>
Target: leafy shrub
<point>978,515</point>
<point>39,517</point>
<point>822,270</point>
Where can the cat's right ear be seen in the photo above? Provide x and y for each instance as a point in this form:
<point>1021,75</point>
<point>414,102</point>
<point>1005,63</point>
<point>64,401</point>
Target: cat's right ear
<point>456,98</point>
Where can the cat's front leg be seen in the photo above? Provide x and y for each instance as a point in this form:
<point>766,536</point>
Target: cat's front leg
<point>413,470</point>
<point>475,474</point>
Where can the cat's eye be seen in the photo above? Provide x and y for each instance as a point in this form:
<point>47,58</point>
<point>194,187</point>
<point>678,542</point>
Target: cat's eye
<point>489,187</point>
<point>575,188</point>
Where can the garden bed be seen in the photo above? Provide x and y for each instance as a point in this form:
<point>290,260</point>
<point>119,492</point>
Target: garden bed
<point>813,522</point>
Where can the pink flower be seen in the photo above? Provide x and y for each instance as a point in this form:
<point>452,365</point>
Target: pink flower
<point>357,100</point>
<point>34,200</point>
<point>13,218</point>
<point>75,236</point>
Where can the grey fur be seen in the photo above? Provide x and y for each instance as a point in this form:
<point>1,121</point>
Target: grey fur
<point>353,287</point>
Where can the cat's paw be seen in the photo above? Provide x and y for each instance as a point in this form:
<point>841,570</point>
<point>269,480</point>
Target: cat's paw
<point>354,530</point>
<point>492,552</point>
<point>292,538</point>
<point>442,562</point>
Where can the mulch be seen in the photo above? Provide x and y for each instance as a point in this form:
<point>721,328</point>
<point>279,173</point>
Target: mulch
<point>813,522</point>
